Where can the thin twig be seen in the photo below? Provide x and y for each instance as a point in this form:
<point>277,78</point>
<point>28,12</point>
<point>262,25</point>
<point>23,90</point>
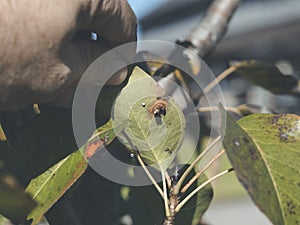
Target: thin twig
<point>141,162</point>
<point>166,200</point>
<point>197,175</point>
<point>189,169</point>
<point>187,198</point>
<point>214,108</point>
<point>168,178</point>
<point>216,81</point>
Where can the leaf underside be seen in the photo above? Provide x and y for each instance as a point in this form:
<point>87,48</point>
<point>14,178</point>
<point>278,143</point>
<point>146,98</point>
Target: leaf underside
<point>268,77</point>
<point>155,137</point>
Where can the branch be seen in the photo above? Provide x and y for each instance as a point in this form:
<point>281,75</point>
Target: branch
<point>205,36</point>
<point>212,28</point>
<point>166,200</point>
<point>191,167</point>
<point>221,77</point>
<point>200,172</point>
<point>187,198</point>
<point>215,108</point>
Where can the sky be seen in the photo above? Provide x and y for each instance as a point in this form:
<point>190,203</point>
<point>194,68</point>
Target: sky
<point>143,7</point>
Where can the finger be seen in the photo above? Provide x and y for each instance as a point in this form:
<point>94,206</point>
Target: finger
<point>115,24</point>
<point>81,51</point>
<point>78,54</point>
<point>113,20</point>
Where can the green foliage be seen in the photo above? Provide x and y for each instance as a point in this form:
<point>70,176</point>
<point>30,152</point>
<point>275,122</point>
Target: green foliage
<point>156,136</point>
<point>48,187</point>
<point>265,152</point>
<point>14,204</point>
<point>268,77</point>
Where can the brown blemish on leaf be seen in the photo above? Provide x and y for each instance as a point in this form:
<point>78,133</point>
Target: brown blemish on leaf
<point>92,148</point>
<point>283,137</point>
<point>291,207</point>
<point>253,154</point>
<point>246,140</point>
<point>274,120</point>
<point>168,151</point>
<point>284,126</point>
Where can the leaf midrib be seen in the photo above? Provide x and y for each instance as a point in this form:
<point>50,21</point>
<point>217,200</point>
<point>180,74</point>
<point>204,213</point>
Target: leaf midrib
<point>145,138</point>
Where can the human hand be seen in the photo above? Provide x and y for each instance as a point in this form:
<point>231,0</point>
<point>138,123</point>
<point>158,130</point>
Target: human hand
<point>45,46</point>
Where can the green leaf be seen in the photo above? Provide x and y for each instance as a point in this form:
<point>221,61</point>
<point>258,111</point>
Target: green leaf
<point>47,188</point>
<point>102,136</point>
<point>4,221</point>
<point>151,120</point>
<point>14,204</point>
<point>268,77</point>
<point>264,149</point>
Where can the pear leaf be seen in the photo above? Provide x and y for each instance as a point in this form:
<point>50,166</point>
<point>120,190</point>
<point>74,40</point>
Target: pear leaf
<point>264,150</point>
<point>14,204</point>
<point>152,122</point>
<point>50,186</point>
<point>268,77</point>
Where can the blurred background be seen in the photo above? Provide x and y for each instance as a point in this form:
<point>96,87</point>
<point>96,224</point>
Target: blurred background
<point>266,30</point>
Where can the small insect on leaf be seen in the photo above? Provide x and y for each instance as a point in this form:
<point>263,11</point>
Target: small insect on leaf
<point>158,107</point>
<point>169,151</point>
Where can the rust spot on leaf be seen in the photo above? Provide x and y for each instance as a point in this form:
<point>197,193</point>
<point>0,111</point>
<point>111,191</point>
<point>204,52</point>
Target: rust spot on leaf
<point>253,154</point>
<point>246,140</point>
<point>283,137</point>
<point>291,207</point>
<point>284,126</point>
<point>274,120</point>
<point>92,148</point>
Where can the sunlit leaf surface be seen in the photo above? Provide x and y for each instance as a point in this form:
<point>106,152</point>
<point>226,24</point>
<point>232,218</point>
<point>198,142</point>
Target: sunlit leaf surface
<point>265,152</point>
